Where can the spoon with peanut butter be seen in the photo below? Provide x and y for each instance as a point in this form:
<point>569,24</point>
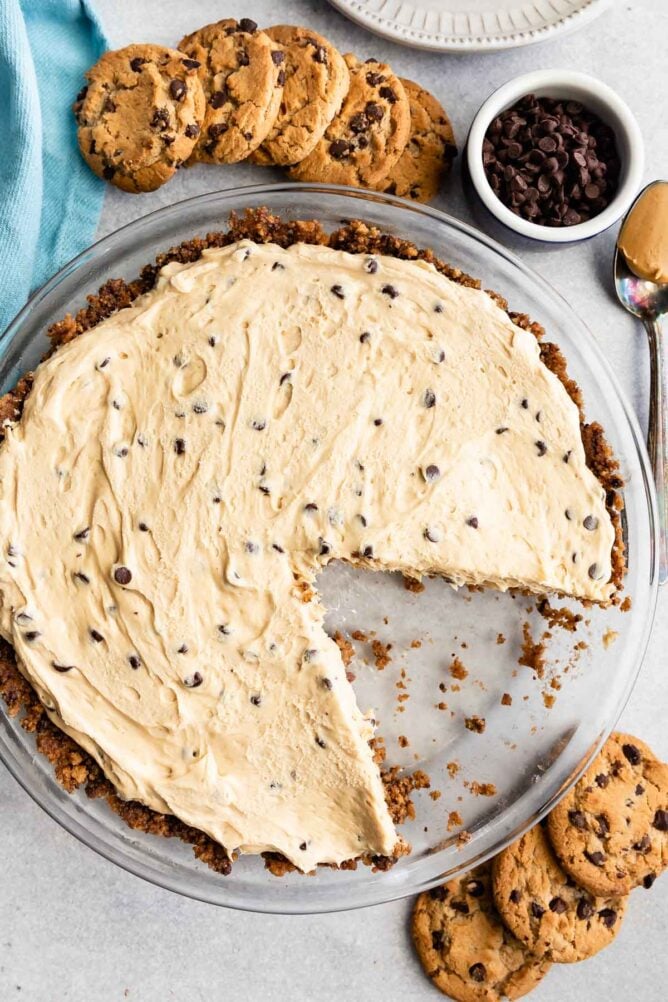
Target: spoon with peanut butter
<point>641,282</point>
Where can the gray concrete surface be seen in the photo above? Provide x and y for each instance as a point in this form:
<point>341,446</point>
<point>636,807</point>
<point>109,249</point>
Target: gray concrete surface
<point>75,929</point>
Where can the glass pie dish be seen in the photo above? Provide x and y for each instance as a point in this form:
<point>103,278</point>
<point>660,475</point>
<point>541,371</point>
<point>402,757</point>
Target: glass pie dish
<point>541,727</point>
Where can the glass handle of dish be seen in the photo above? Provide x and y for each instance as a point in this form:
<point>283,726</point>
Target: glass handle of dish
<point>657,433</point>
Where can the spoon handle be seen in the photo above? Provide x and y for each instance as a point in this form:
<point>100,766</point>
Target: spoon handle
<point>657,434</point>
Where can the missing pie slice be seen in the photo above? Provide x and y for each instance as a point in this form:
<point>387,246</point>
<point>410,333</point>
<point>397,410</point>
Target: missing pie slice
<point>182,468</point>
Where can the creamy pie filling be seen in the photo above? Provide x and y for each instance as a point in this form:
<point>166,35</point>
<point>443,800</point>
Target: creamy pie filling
<point>181,473</point>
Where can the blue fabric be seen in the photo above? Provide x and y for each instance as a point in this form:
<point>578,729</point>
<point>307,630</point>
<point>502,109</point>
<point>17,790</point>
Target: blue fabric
<point>50,201</point>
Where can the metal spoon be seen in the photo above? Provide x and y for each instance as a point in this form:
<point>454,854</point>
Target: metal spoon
<point>649,302</point>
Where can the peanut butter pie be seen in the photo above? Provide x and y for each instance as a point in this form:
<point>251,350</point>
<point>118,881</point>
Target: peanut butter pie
<point>178,474</point>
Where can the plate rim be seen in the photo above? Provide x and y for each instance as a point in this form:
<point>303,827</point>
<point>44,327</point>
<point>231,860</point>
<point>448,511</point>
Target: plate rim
<point>417,38</point>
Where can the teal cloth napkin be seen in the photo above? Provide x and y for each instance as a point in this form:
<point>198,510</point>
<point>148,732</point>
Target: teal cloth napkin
<point>50,201</point>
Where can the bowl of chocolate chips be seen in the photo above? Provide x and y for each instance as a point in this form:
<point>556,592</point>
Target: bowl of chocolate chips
<point>555,155</point>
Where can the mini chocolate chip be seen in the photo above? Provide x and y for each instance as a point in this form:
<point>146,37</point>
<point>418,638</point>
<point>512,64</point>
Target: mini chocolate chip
<point>137,63</point>
<point>639,790</point>
<point>259,424</point>
<point>378,421</point>
<point>61,668</point>
<point>429,399</point>
<point>648,880</point>
<point>340,149</point>
<point>478,972</point>
<point>515,896</point>
<point>277,57</point>
<point>577,820</point>
<point>134,661</point>
<point>567,455</point>
<point>80,576</point>
<point>82,535</point>
<point>608,917</point>
<point>179,446</point>
<point>660,821</point>
<point>338,291</point>
<point>359,122</point>
<point>389,290</point>
<point>363,520</point>
<point>285,378</point>
<point>558,905</point>
<point>473,522</point>
<point>431,473</point>
<point>590,523</point>
<point>122,575</point>
<point>373,79</point>
<point>191,130</point>
<point>367,552</point>
<point>216,130</point>
<point>256,700</point>
<point>438,893</point>
<point>603,826</point>
<point>326,683</point>
<point>644,845</point>
<point>319,741</point>
<point>537,910</point>
<point>437,939</point>
<point>191,64</point>
<point>183,649</point>
<point>302,846</point>
<point>596,858</point>
<point>96,636</point>
<point>541,447</point>
<point>524,403</point>
<point>325,548</point>
<point>320,55</point>
<point>584,910</point>
<point>218,99</point>
<point>431,535</point>
<point>192,681</point>
<point>224,629</point>
<point>364,337</point>
<point>502,429</point>
<point>602,780</point>
<point>277,266</point>
<point>279,549</point>
<point>31,635</point>
<point>248,25</point>
<point>460,906</point>
<point>177,89</point>
<point>475,888</point>
<point>632,754</point>
<point>593,571</point>
<point>371,265</point>
<point>311,506</point>
<point>388,94</point>
<point>251,547</point>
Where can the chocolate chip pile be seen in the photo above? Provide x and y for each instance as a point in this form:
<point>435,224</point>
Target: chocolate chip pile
<point>554,163</point>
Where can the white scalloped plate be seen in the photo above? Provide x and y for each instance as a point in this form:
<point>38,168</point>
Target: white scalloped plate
<point>470,25</point>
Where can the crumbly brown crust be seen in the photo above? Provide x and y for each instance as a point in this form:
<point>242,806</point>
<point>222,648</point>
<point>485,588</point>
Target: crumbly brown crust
<point>73,767</point>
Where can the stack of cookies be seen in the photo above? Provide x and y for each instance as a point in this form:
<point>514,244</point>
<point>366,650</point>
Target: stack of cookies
<point>280,97</point>
<point>558,894</point>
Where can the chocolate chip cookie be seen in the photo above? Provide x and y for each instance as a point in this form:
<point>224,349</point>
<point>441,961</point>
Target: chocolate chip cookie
<point>242,72</point>
<point>140,115</point>
<point>464,947</point>
<point>316,82</point>
<point>429,151</point>
<point>363,142</point>
<point>611,831</point>
<point>547,910</point>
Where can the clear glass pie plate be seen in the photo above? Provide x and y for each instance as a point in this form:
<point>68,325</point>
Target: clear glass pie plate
<point>532,749</point>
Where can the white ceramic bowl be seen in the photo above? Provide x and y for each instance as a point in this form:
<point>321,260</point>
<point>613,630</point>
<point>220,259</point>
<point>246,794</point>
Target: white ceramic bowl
<point>597,97</point>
